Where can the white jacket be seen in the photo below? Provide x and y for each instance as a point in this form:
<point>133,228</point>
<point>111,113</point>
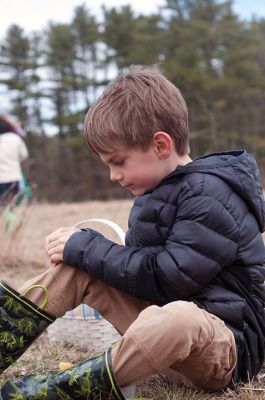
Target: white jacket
<point>12,151</point>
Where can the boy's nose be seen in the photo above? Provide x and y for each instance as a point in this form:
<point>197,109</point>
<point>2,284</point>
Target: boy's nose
<point>115,176</point>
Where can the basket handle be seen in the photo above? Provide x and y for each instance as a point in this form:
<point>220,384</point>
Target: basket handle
<point>116,228</point>
<point>40,287</point>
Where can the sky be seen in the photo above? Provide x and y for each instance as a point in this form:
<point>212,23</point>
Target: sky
<point>35,14</point>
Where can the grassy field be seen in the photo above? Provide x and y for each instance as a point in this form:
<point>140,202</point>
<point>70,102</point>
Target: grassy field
<point>23,256</point>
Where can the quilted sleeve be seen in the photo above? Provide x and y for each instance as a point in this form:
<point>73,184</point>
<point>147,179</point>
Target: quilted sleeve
<point>201,243</point>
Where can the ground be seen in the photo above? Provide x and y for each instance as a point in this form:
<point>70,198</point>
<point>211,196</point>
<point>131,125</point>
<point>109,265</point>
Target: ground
<point>23,256</point>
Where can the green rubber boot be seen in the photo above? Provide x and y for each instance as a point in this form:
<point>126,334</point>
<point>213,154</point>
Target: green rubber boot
<point>88,380</point>
<point>21,322</point>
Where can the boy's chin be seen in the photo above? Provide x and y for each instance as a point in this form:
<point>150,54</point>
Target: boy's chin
<point>137,192</point>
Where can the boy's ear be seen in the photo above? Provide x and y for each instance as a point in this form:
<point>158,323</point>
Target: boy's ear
<point>162,144</point>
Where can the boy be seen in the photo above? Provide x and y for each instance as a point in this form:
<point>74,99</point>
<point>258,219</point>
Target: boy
<point>186,291</point>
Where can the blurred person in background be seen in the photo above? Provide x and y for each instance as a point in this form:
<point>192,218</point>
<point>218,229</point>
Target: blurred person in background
<point>13,151</point>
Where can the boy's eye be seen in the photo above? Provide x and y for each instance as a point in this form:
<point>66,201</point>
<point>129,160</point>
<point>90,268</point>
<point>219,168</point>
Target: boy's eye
<point>118,163</point>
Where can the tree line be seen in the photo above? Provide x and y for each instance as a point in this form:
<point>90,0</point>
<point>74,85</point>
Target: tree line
<point>49,79</point>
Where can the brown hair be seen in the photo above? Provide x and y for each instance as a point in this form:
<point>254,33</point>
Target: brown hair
<point>135,106</point>
<point>6,125</point>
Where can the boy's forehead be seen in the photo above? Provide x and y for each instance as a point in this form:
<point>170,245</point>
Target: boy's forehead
<point>110,156</point>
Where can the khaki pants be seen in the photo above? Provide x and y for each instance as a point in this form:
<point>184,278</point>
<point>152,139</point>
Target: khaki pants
<point>180,340</point>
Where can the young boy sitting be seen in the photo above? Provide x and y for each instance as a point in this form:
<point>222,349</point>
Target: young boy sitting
<point>186,291</point>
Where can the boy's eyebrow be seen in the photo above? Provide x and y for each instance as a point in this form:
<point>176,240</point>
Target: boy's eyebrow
<point>112,157</point>
<point>109,159</point>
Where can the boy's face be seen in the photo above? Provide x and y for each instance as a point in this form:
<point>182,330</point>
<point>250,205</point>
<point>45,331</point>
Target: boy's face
<point>136,170</point>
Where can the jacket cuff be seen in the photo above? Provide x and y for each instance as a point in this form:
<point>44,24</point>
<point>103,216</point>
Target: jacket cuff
<point>75,246</point>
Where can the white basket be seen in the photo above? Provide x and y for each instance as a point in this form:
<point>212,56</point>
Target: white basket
<point>95,332</point>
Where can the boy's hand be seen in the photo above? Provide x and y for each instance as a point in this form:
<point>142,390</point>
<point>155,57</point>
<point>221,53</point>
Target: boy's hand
<point>55,244</point>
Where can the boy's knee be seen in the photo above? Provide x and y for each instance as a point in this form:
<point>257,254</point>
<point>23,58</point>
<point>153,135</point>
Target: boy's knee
<point>175,329</point>
<point>178,316</point>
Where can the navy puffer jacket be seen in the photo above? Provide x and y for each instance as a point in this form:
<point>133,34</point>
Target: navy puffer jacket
<point>195,237</point>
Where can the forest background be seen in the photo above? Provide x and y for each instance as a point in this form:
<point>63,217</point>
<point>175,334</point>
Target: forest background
<point>49,79</point>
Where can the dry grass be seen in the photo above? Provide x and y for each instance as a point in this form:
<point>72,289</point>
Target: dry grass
<point>22,250</point>
<point>22,256</point>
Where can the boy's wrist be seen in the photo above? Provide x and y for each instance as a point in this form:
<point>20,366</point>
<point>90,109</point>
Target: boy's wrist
<point>75,247</point>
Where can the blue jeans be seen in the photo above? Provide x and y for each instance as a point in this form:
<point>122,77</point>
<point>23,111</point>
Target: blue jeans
<point>8,190</point>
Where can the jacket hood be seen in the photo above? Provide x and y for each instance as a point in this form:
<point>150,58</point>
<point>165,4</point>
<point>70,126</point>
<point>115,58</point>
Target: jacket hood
<point>239,170</point>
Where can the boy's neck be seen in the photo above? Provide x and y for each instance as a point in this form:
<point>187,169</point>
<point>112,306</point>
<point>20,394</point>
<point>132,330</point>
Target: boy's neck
<point>174,161</point>
<point>177,160</point>
<point>183,160</point>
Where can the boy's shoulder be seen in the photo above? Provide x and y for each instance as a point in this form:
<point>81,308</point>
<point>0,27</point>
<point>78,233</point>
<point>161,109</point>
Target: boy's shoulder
<point>189,190</point>
<point>192,184</point>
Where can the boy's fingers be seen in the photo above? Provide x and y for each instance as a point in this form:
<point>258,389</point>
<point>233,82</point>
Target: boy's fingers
<point>53,236</point>
<point>54,264</point>
<point>57,242</point>
<point>60,236</point>
<point>55,250</point>
<point>56,258</point>
<point>51,244</point>
<point>49,241</point>
<point>59,231</point>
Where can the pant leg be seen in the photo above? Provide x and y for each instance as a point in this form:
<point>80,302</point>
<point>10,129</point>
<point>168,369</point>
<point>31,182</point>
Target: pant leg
<point>68,287</point>
<point>7,191</point>
<point>65,286</point>
<point>196,345</point>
